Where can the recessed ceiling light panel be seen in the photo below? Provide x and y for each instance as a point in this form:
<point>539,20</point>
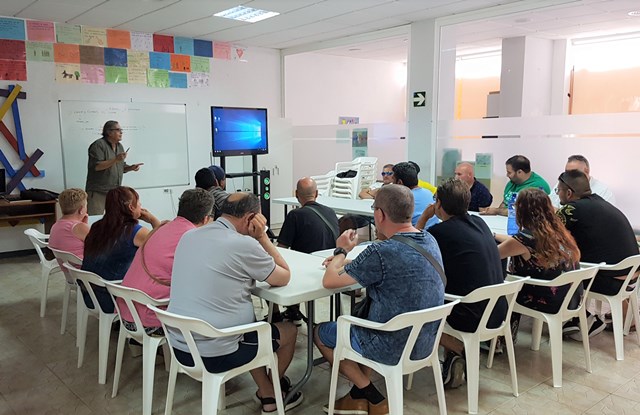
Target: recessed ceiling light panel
<point>246,14</point>
<point>634,13</point>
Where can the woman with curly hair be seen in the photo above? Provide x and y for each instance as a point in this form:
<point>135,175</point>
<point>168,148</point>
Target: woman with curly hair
<point>113,241</point>
<point>542,249</point>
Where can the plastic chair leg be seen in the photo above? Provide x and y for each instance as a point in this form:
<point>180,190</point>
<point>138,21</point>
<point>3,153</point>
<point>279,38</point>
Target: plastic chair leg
<point>167,357</point>
<point>616,321</point>
<point>437,377</point>
<point>44,288</point>
<point>536,334</point>
<point>472,356</point>
<point>149,352</point>
<point>79,312</point>
<point>333,387</point>
<point>584,329</point>
<point>82,331</point>
<point>222,398</point>
<point>555,341</point>
<point>210,394</point>
<point>104,334</point>
<point>511,355</point>
<point>394,391</point>
<point>65,308</point>
<point>122,337</point>
<point>171,388</point>
<point>409,382</point>
<point>492,352</point>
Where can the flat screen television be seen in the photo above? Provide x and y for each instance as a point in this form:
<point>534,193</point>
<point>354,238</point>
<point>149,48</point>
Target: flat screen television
<point>239,131</point>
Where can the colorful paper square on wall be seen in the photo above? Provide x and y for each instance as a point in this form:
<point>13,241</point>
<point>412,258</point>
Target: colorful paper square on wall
<point>142,41</point>
<point>40,51</point>
<point>92,74</point>
<point>158,78</point>
<point>162,43</point>
<point>11,70</point>
<point>13,49</point>
<point>68,72</point>
<point>41,31</point>
<point>115,57</point>
<point>180,63</point>
<point>137,65</point>
<point>66,53</point>
<point>159,60</point>
<point>203,48</point>
<point>94,36</point>
<point>91,55</point>
<point>183,45</point>
<point>222,50</point>
<point>120,39</point>
<point>116,74</point>
<point>12,28</point>
<point>177,80</point>
<point>200,64</point>
<point>68,33</point>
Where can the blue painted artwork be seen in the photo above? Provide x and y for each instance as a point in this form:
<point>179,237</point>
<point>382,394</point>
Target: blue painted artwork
<point>203,48</point>
<point>183,45</point>
<point>115,57</point>
<point>12,28</point>
<point>177,80</point>
<point>159,60</point>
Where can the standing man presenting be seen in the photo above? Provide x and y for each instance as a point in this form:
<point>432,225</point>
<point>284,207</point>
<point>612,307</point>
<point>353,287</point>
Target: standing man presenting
<point>106,166</point>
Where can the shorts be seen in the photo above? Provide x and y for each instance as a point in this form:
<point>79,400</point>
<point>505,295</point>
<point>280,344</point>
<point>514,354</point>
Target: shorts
<point>247,351</point>
<point>610,285</point>
<point>328,333</point>
<point>151,331</point>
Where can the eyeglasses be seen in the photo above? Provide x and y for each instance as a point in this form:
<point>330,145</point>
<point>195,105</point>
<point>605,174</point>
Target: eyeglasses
<point>387,173</point>
<point>116,129</point>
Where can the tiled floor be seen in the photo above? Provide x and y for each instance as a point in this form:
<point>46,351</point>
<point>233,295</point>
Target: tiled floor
<point>38,373</point>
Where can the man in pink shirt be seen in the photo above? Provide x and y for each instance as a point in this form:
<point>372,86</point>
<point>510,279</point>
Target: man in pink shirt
<point>68,233</point>
<point>150,270</point>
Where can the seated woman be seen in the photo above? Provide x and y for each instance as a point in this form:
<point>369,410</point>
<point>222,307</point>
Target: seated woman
<point>113,241</point>
<point>542,249</point>
<point>69,232</point>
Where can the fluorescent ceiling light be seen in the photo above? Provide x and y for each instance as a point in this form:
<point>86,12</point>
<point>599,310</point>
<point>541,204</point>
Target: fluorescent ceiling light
<point>605,38</point>
<point>246,14</point>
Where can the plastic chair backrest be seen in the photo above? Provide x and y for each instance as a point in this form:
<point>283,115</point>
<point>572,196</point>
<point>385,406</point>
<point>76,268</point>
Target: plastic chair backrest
<point>129,296</point>
<point>85,279</point>
<point>39,241</point>
<point>632,262</point>
<point>64,256</point>
<point>324,183</point>
<point>491,294</point>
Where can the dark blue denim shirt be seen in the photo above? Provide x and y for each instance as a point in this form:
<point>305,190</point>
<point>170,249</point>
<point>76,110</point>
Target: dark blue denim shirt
<point>398,279</point>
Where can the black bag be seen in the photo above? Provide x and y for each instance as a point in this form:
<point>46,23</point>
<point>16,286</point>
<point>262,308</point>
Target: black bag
<point>347,174</point>
<point>38,195</point>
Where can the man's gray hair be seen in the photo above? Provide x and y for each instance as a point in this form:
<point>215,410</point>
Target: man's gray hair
<point>396,201</point>
<point>195,205</point>
<point>239,204</point>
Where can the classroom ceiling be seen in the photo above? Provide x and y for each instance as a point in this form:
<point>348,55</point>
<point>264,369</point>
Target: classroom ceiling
<point>303,22</point>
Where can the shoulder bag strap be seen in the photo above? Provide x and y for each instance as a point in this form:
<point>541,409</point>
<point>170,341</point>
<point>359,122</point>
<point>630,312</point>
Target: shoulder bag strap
<point>334,231</point>
<point>427,255</point>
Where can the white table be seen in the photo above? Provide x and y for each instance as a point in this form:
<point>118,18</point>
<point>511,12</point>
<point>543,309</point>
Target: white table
<point>325,253</point>
<point>305,286</point>
<point>496,223</point>
<point>339,205</point>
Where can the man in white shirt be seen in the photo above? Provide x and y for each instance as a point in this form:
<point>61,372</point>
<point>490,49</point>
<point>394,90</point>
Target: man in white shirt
<point>580,163</point>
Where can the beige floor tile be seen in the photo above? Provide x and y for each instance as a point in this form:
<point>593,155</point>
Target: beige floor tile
<point>615,405</point>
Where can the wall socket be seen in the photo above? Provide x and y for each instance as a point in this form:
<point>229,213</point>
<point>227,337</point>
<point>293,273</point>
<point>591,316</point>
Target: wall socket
<point>167,190</point>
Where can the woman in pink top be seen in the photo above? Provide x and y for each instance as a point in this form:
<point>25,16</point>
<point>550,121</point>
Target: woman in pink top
<point>68,233</point>
<point>150,270</point>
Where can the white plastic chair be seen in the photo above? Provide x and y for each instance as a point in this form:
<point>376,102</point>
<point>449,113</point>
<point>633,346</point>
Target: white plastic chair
<point>105,320</point>
<point>555,321</point>
<point>393,374</point>
<point>491,294</point>
<point>615,301</point>
<point>130,297</point>
<point>39,241</point>
<point>213,392</point>
<point>324,183</point>
<point>62,257</point>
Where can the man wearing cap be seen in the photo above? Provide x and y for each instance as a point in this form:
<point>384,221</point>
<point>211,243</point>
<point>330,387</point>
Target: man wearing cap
<point>214,180</point>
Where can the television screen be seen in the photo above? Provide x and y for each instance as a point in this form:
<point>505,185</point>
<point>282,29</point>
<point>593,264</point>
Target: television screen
<point>239,131</point>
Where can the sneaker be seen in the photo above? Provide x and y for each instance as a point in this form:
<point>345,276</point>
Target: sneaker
<point>349,406</point>
<point>294,315</point>
<point>453,371</point>
<point>571,326</point>
<point>515,325</point>
<point>486,346</point>
<point>381,408</point>
<point>596,326</point>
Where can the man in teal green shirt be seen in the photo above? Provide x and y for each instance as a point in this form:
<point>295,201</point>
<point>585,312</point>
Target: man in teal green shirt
<point>520,177</point>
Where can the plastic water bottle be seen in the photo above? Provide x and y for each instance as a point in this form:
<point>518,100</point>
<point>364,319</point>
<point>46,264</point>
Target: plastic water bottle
<point>512,226</point>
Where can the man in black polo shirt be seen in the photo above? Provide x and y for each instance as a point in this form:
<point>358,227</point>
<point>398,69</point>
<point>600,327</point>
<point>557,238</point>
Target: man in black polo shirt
<point>312,228</point>
<point>602,232</point>
<point>471,260</point>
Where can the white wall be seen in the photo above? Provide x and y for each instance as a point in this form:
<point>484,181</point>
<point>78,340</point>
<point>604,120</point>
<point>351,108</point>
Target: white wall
<point>320,88</point>
<point>255,83</point>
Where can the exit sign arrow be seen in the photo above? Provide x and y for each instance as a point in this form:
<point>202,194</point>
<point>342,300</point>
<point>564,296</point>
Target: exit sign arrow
<point>419,98</point>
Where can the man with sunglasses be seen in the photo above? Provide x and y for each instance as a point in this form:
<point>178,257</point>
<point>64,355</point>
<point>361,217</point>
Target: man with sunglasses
<point>603,234</point>
<point>387,178</point>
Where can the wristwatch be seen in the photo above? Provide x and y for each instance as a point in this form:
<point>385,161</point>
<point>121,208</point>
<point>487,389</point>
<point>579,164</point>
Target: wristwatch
<point>339,251</point>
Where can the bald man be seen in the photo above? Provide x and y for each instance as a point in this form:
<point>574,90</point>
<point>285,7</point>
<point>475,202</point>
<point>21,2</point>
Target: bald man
<point>480,196</point>
<point>580,163</point>
<point>313,227</point>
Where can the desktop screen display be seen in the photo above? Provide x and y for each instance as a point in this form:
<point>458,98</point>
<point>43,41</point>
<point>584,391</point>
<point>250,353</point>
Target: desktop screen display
<point>239,131</point>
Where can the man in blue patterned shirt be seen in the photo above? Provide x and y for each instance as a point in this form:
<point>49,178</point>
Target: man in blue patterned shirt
<point>398,279</point>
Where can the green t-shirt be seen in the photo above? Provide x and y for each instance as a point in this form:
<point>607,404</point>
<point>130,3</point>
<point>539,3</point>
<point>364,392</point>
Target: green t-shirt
<point>533,181</point>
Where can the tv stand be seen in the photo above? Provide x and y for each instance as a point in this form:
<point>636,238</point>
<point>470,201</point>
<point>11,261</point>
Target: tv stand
<point>255,173</point>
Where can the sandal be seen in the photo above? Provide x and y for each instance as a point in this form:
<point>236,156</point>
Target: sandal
<point>266,401</point>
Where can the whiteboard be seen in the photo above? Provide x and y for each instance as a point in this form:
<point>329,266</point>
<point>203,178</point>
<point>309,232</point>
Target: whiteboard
<point>155,133</point>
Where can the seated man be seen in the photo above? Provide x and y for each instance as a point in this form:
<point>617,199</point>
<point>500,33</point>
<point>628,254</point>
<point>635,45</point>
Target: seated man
<point>150,270</point>
<point>603,234</point>
<point>422,183</point>
<point>213,179</point>
<point>398,279</point>
<point>406,174</point>
<point>387,178</point>
<point>480,196</point>
<point>520,177</point>
<point>579,162</point>
<point>214,269</point>
<point>471,260</point>
<point>313,227</point>
<point>68,233</point>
